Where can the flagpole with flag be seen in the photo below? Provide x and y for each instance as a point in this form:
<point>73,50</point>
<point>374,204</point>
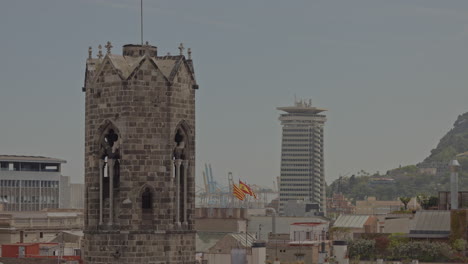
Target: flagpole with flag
<point>246,189</point>
<point>238,193</point>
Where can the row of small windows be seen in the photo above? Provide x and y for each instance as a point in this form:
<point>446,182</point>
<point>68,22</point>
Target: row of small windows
<point>308,144</point>
<point>29,166</point>
<point>295,190</point>
<point>28,199</point>
<point>297,135</point>
<point>310,149</point>
<point>296,130</point>
<point>294,194</point>
<point>295,154</point>
<point>296,150</point>
<point>296,145</point>
<point>296,170</point>
<point>294,184</point>
<point>302,137</point>
<point>305,132</point>
<point>296,140</point>
<point>29,183</point>
<point>298,160</point>
<point>296,165</point>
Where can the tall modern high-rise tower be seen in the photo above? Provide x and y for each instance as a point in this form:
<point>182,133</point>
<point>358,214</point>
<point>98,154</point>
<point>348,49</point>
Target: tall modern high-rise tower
<point>302,168</point>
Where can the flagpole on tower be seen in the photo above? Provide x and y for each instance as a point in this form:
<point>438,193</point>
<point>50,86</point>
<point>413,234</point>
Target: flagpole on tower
<point>141,20</point>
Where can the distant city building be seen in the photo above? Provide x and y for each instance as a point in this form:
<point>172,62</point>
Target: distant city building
<point>437,168</point>
<point>30,183</point>
<point>302,168</point>
<point>430,225</point>
<point>274,204</point>
<point>43,253</point>
<point>36,227</point>
<point>64,192</point>
<point>301,208</point>
<point>381,180</point>
<point>445,200</point>
<point>339,204</point>
<point>372,206</point>
<point>356,224</point>
<point>225,220</point>
<point>235,247</point>
<point>76,196</point>
<point>304,243</point>
<point>308,231</point>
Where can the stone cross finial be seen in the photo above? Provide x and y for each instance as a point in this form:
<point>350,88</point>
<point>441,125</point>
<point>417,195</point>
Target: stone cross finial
<point>99,55</point>
<point>146,47</point>
<point>181,48</point>
<point>108,47</point>
<point>189,52</point>
<point>90,52</point>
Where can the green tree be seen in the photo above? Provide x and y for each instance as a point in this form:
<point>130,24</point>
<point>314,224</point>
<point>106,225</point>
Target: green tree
<point>361,249</point>
<point>405,201</point>
<point>397,240</point>
<point>426,201</point>
<point>459,244</point>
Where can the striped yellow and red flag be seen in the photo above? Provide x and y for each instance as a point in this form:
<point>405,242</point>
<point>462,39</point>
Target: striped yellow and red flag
<point>246,189</point>
<point>238,193</point>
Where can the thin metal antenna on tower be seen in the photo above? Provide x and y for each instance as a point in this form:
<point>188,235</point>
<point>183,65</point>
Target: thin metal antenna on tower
<point>141,20</point>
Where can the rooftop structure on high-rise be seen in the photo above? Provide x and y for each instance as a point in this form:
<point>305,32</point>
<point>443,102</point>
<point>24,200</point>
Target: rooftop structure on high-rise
<point>302,168</point>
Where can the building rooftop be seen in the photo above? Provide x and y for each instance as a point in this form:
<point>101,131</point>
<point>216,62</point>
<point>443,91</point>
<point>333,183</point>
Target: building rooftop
<point>229,241</point>
<point>18,158</point>
<point>308,223</point>
<point>351,221</point>
<point>430,224</point>
<point>244,239</point>
<point>301,110</point>
<point>302,107</point>
<point>205,240</point>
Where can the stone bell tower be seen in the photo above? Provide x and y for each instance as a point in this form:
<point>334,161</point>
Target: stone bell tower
<point>139,156</point>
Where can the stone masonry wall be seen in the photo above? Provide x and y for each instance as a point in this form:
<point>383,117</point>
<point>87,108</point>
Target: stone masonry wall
<point>145,108</point>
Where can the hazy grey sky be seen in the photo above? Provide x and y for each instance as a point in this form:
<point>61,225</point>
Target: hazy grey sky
<point>393,74</point>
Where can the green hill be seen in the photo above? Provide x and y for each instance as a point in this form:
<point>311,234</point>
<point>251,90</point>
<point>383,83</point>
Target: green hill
<point>427,177</point>
<point>453,143</point>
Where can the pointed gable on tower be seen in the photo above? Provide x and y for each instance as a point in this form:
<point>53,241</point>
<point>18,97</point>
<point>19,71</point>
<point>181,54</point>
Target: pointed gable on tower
<point>130,62</point>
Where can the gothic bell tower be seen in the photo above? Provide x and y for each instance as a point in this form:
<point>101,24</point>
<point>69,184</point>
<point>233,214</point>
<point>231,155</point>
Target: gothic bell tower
<point>139,156</point>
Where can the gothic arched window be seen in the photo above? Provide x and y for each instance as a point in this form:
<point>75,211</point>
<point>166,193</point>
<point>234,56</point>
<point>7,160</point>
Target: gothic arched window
<point>147,207</point>
<point>146,200</point>
<point>180,140</point>
<point>181,156</point>
<point>109,172</point>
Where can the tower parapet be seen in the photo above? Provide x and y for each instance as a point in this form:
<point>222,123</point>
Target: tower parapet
<point>132,50</point>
